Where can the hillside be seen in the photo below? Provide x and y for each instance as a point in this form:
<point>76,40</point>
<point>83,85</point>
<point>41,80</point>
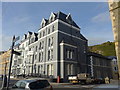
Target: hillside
<point>106,49</point>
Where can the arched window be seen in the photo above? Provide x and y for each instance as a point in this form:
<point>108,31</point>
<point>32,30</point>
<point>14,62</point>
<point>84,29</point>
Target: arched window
<point>42,25</point>
<point>36,48</point>
<point>43,33</point>
<point>71,54</point>
<point>39,57</point>
<point>52,42</point>
<point>51,53</point>
<point>40,46</point>
<point>49,42</point>
<point>51,19</point>
<point>68,69</point>
<point>48,55</point>
<point>72,70</point>
<point>67,53</point>
<point>53,28</point>
<point>48,30</point>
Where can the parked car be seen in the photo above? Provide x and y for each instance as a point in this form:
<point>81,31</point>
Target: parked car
<point>82,78</point>
<point>32,84</point>
<point>99,81</point>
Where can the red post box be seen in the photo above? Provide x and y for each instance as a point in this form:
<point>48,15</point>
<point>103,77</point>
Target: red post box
<point>58,79</point>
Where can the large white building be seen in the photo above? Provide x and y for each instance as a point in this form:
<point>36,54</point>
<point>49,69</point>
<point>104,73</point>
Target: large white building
<point>58,49</point>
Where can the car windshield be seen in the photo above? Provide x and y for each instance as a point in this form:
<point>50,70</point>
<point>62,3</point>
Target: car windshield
<point>39,84</point>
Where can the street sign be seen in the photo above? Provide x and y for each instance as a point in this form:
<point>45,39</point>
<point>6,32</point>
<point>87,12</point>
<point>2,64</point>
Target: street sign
<point>16,39</point>
<point>10,63</point>
<point>16,53</point>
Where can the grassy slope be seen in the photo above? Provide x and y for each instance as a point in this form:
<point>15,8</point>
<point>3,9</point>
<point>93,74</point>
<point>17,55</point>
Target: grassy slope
<point>106,49</point>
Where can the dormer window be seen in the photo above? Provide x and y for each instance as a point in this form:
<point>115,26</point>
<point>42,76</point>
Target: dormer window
<point>52,17</point>
<point>32,40</point>
<point>24,37</point>
<point>43,23</point>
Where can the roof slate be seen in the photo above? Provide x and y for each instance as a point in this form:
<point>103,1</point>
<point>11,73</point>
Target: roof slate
<point>61,16</point>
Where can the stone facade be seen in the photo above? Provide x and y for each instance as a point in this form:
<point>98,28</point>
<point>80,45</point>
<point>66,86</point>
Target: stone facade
<point>114,8</point>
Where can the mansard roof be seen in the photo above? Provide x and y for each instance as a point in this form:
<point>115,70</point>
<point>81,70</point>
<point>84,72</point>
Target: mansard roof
<point>112,57</point>
<point>97,55</point>
<point>29,33</point>
<point>35,34</point>
<point>82,37</point>
<point>52,14</point>
<point>24,36</point>
<point>44,21</point>
<point>61,16</point>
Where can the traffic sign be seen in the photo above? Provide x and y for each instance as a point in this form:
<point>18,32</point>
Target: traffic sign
<point>16,39</point>
<point>16,53</point>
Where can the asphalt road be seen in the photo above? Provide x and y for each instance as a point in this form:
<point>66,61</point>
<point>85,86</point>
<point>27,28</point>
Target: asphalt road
<point>73,87</point>
<point>57,86</point>
<point>68,86</point>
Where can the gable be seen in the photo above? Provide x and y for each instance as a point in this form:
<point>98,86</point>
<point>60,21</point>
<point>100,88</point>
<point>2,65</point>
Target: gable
<point>43,23</point>
<point>52,17</point>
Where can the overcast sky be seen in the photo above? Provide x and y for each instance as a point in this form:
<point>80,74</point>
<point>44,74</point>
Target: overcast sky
<point>20,17</point>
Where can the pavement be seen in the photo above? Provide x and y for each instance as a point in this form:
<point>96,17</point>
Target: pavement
<point>113,85</point>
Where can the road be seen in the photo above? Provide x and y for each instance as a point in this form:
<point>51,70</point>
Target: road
<point>59,85</point>
<point>67,86</point>
<point>72,87</point>
<point>114,85</point>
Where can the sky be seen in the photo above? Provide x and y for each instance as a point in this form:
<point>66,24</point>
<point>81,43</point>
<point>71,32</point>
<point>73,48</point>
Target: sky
<point>20,17</point>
